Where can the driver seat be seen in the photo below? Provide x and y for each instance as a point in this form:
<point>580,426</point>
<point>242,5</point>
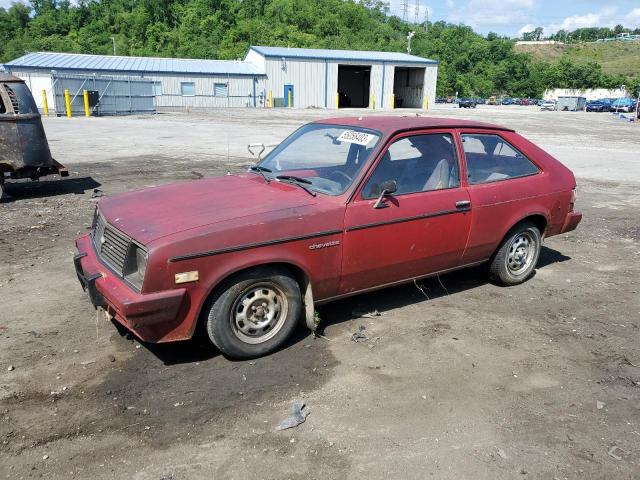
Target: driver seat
<point>439,178</point>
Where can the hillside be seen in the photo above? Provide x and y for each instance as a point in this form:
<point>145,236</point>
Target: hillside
<point>616,58</point>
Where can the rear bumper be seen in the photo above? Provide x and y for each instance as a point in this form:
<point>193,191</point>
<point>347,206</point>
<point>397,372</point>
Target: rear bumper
<point>150,316</point>
<point>571,222</point>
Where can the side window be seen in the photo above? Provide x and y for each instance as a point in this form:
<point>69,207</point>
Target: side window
<point>220,90</point>
<point>188,89</point>
<point>419,163</point>
<point>157,88</point>
<point>490,158</point>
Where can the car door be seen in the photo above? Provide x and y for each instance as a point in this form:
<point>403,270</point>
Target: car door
<point>502,183</point>
<point>423,226</point>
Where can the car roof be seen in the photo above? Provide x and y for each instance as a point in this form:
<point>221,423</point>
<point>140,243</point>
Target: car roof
<point>389,124</point>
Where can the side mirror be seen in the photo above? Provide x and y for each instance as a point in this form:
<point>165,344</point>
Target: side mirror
<point>388,187</point>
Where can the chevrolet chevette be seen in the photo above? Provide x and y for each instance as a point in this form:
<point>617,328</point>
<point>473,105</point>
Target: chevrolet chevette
<point>342,206</point>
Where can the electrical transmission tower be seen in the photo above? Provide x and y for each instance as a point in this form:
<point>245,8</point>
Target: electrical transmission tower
<point>405,10</point>
<point>416,18</point>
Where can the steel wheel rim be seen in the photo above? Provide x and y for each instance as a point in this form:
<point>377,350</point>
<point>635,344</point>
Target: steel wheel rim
<point>258,313</point>
<point>521,253</point>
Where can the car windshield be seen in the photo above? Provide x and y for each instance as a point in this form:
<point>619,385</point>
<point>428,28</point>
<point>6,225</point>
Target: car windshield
<point>326,157</point>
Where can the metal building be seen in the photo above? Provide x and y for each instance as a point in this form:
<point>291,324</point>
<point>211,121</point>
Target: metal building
<point>268,77</point>
<point>345,78</point>
<point>177,82</point>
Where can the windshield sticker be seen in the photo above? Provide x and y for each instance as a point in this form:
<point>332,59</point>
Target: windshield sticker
<point>359,138</point>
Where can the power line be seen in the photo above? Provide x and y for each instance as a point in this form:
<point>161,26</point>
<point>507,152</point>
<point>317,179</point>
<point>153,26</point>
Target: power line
<point>405,10</point>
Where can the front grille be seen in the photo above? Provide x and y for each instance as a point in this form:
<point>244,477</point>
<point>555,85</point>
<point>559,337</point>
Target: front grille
<point>111,245</point>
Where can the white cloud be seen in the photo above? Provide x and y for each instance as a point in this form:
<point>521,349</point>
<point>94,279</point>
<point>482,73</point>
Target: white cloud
<point>526,28</point>
<point>451,4</point>
<point>479,13</point>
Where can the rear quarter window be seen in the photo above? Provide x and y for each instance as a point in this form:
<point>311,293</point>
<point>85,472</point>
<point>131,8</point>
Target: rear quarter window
<point>490,158</point>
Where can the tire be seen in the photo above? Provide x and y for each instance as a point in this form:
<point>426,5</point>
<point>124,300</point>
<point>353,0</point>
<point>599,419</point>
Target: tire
<point>515,260</point>
<point>254,313</point>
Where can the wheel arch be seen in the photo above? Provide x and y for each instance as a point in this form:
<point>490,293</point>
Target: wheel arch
<point>300,275</point>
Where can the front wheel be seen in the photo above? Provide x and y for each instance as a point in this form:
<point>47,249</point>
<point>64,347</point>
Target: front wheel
<point>515,260</point>
<point>254,313</point>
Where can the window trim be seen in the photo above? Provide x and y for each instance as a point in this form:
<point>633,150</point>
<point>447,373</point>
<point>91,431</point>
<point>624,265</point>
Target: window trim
<point>156,84</point>
<point>402,135</point>
<point>182,92</point>
<point>494,134</point>
<point>226,86</point>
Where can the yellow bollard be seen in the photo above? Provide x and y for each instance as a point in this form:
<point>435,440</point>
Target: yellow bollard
<point>67,102</point>
<point>373,102</point>
<point>87,110</point>
<point>289,102</point>
<point>337,100</point>
<point>393,101</point>
<point>426,103</point>
<point>270,99</point>
<point>45,104</point>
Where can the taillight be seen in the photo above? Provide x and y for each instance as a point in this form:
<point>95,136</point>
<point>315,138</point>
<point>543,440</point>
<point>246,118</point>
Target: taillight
<point>573,200</point>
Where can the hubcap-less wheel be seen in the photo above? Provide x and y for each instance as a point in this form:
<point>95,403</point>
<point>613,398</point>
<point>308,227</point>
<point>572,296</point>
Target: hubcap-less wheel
<point>521,253</point>
<point>258,313</point>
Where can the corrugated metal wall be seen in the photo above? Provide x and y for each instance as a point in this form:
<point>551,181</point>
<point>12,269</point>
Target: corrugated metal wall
<point>118,95</point>
<point>241,91</point>
<point>315,82</point>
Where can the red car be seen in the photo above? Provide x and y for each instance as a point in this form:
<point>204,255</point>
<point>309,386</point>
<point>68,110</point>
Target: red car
<point>342,206</point>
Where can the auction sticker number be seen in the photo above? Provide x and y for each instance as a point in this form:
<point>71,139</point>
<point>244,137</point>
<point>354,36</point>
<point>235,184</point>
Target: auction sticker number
<point>359,138</point>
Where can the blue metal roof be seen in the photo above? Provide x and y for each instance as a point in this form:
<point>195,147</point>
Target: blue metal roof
<point>112,63</point>
<point>345,55</point>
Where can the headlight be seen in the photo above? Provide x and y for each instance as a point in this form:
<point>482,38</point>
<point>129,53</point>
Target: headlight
<point>136,265</point>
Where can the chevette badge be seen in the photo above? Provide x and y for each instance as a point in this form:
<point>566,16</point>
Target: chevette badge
<point>316,246</point>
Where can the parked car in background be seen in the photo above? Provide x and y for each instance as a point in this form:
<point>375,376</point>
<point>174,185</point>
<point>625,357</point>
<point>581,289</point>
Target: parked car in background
<point>600,105</point>
<point>524,102</point>
<point>467,103</point>
<point>508,101</point>
<point>441,100</point>
<point>548,105</point>
<point>492,101</point>
<point>624,104</point>
<point>341,206</point>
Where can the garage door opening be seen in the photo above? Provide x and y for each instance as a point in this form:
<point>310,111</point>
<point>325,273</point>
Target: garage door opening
<point>353,86</point>
<point>408,87</point>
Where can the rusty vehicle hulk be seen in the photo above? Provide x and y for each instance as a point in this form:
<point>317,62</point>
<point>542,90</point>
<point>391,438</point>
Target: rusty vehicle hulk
<point>341,206</point>
<point>24,151</point>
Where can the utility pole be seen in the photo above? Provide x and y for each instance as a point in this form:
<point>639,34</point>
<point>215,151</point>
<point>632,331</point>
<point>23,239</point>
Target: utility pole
<point>405,10</point>
<point>409,37</point>
<point>416,17</point>
<point>113,40</point>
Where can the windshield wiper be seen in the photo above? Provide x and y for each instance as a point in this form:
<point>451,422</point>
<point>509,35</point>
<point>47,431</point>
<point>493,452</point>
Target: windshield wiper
<point>261,171</point>
<point>299,181</point>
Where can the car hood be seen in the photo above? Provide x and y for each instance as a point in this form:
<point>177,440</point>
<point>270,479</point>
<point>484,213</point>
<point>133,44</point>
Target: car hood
<point>149,214</point>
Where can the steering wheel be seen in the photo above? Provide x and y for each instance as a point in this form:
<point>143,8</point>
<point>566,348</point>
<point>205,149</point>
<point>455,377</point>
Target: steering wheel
<point>338,173</point>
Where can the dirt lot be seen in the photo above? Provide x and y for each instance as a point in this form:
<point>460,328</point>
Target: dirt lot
<point>459,379</point>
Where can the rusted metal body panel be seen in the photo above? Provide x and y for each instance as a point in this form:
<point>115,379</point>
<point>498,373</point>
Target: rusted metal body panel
<point>340,245</point>
<point>24,150</point>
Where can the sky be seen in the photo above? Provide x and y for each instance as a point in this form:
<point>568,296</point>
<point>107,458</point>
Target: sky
<point>512,17</point>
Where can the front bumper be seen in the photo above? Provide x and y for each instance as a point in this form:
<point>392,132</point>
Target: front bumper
<point>150,316</point>
<point>571,222</point>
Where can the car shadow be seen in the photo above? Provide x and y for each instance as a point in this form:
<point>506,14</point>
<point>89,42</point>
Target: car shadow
<point>200,349</point>
<point>24,190</point>
<point>416,292</point>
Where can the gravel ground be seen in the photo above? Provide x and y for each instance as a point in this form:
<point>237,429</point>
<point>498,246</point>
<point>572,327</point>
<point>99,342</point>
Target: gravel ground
<point>458,378</point>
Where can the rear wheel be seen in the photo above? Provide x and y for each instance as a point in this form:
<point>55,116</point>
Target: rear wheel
<point>254,313</point>
<point>515,260</point>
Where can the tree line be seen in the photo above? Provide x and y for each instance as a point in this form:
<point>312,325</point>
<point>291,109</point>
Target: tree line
<point>470,64</point>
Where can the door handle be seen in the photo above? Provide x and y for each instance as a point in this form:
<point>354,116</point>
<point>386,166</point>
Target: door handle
<point>463,204</point>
